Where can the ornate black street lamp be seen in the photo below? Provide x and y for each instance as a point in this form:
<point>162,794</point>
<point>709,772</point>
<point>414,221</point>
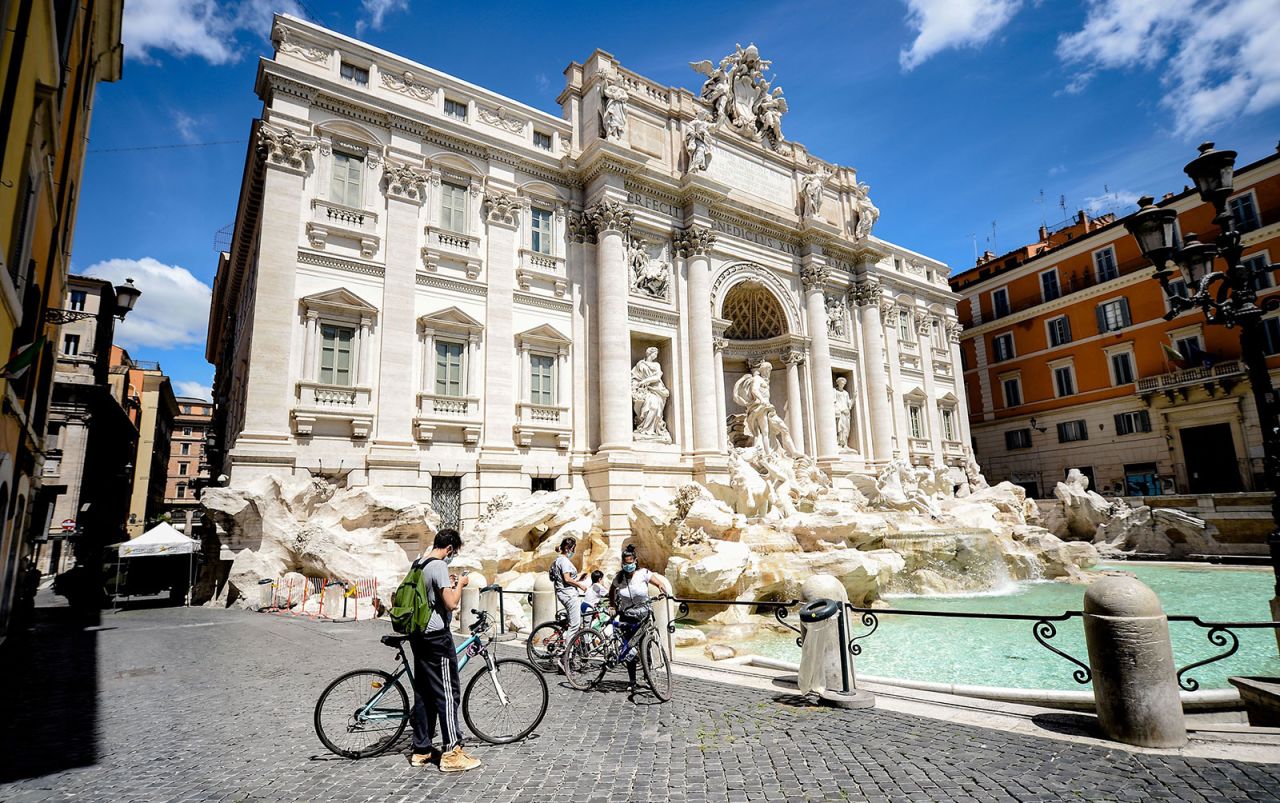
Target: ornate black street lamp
<point>1228,297</point>
<point>126,297</point>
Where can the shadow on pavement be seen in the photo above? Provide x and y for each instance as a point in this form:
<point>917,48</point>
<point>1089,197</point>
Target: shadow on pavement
<point>1069,724</point>
<point>49,708</point>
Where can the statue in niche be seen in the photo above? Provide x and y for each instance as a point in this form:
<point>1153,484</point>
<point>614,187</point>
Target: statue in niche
<point>835,316</point>
<point>761,422</point>
<point>649,399</point>
<point>648,276</point>
<point>843,410</point>
<point>868,213</point>
<point>697,143</point>
<point>613,107</point>
<point>811,187</point>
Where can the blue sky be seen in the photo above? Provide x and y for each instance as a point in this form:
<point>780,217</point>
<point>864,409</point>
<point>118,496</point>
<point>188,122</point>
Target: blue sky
<point>958,113</point>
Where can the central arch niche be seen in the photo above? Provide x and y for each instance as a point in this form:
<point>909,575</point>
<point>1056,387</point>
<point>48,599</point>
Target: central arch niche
<point>755,312</point>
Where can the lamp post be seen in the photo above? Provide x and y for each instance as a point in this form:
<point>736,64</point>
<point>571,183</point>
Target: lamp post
<point>1227,297</point>
<point>111,310</point>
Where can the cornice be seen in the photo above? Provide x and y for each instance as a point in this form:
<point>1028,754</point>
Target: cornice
<point>338,263</point>
<point>647,314</point>
<point>1058,303</point>
<point>542,302</point>
<point>444,283</point>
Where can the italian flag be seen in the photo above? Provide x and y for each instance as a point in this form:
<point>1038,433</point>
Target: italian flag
<point>22,359</point>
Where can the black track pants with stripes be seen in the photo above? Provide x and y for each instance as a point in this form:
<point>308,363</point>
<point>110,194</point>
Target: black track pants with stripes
<point>435,691</point>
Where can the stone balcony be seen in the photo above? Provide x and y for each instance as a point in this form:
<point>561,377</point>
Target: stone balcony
<point>451,246</point>
<point>335,220</point>
<point>543,419</point>
<point>1225,374</point>
<point>349,406</point>
<point>459,414</point>
<point>548,268</point>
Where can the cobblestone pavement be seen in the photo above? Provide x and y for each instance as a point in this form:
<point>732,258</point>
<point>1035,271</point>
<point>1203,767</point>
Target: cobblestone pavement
<point>194,704</point>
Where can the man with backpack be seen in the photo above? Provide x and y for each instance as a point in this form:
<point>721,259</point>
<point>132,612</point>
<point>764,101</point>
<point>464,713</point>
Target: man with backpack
<point>423,608</point>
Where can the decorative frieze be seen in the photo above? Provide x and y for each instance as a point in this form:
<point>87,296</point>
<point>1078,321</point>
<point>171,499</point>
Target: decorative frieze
<point>499,118</point>
<point>288,42</point>
<point>406,83</point>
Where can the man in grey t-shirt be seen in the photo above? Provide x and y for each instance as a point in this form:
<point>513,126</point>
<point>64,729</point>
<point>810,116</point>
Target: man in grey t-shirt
<point>566,580</point>
<point>435,664</point>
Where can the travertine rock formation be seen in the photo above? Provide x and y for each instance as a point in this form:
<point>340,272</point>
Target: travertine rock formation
<point>313,527</point>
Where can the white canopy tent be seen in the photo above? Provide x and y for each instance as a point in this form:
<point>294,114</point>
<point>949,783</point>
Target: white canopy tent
<point>162,539</point>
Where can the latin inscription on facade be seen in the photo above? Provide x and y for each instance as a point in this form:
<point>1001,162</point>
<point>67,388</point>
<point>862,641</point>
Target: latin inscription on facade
<point>754,175</point>
<point>756,237</point>
<point>653,204</point>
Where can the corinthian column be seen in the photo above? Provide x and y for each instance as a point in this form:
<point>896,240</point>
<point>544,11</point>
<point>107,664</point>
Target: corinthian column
<point>694,244</point>
<point>866,297</point>
<point>612,222</point>
<point>814,273</point>
<point>795,421</point>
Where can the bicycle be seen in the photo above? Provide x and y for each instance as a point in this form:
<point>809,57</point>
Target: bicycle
<point>362,713</point>
<point>591,654</point>
<point>546,642</point>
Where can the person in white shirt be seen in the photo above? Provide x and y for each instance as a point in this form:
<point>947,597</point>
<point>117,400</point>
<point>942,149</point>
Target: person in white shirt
<point>629,594</point>
<point>567,582</point>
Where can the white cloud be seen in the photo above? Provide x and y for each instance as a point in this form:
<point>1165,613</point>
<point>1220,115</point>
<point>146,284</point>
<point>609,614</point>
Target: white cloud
<point>196,390</point>
<point>377,11</point>
<point>186,126</point>
<point>1218,58</point>
<point>206,29</point>
<point>1057,170</point>
<point>1110,202</point>
<point>173,309</point>
<point>944,24</point>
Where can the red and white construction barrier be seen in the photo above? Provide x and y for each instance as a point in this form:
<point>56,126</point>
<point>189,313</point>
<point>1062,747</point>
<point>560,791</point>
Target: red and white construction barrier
<point>325,598</point>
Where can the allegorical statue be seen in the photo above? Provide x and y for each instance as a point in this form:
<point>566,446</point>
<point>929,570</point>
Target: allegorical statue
<point>761,422</point>
<point>868,213</point>
<point>648,276</point>
<point>649,399</point>
<point>697,143</point>
<point>811,187</point>
<point>843,410</point>
<point>613,112</point>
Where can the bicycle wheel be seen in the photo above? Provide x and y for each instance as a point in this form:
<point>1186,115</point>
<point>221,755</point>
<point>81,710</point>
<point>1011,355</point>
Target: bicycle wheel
<point>657,666</point>
<point>586,659</point>
<point>546,646</point>
<point>506,701</point>
<point>346,722</point>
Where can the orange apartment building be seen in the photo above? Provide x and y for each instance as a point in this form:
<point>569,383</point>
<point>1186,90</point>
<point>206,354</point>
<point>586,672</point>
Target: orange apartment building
<point>1069,363</point>
<point>187,465</point>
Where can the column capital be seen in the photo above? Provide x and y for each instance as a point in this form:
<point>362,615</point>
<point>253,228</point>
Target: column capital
<point>814,274</point>
<point>866,293</point>
<point>793,358</point>
<point>695,241</point>
<point>579,227</point>
<point>283,148</point>
<point>719,343</point>
<point>405,182</point>
<point>888,310</point>
<point>954,331</point>
<point>610,215</point>
<point>501,208</point>
<point>924,326</point>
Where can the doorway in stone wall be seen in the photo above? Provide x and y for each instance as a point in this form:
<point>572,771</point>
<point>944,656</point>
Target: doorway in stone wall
<point>1212,466</point>
<point>446,500</point>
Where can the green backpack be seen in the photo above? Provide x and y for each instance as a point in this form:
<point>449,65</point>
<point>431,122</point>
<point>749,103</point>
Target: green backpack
<point>410,606</point>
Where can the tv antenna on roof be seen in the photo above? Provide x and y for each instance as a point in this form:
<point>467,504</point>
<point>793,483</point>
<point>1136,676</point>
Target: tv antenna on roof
<point>1040,202</point>
<point>1062,204</point>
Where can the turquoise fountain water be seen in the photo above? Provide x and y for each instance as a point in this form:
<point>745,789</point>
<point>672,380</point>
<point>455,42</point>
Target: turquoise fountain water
<point>1003,653</point>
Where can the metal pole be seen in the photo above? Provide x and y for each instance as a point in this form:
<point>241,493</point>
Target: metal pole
<point>844,652</point>
<point>502,612</point>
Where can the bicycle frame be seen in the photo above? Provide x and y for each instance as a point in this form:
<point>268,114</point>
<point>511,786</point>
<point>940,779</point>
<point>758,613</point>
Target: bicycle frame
<point>473,645</point>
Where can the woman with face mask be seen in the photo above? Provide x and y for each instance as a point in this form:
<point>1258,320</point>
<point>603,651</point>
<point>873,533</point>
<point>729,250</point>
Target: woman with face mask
<point>629,594</point>
<point>567,581</point>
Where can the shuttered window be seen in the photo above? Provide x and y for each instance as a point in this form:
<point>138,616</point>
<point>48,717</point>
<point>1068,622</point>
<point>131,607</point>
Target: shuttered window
<point>1113,315</point>
<point>449,369</point>
<point>335,354</point>
<point>1137,421</point>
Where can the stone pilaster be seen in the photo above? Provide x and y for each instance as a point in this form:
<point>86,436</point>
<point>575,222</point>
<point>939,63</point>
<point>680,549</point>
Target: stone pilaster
<point>612,222</point>
<point>954,330</point>
<point>501,213</point>
<point>924,339</point>
<point>581,241</point>
<point>694,244</point>
<point>814,273</point>
<point>866,298</point>
<point>269,393</point>
<point>395,389</point>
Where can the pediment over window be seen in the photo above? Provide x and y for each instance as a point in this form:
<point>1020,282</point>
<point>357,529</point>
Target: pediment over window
<point>546,336</point>
<point>339,301</point>
<point>949,398</point>
<point>451,319</point>
<point>916,394</point>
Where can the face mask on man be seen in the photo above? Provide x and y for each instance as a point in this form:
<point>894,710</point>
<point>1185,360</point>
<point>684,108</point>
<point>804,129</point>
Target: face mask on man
<point>449,558</point>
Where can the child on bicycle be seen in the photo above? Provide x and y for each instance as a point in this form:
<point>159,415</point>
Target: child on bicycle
<point>629,594</point>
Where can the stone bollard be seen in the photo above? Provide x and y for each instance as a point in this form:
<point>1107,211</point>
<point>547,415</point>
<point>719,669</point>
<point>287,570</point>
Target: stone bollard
<point>544,600</point>
<point>826,667</point>
<point>1135,686</point>
<point>470,601</point>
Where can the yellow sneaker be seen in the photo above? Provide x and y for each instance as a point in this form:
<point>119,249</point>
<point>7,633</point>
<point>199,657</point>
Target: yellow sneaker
<point>457,761</point>
<point>423,759</point>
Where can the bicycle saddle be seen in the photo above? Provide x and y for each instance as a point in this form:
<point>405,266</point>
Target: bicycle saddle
<point>394,640</point>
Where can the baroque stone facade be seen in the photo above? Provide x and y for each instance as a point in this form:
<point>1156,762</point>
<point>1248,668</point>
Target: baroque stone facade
<point>440,291</point>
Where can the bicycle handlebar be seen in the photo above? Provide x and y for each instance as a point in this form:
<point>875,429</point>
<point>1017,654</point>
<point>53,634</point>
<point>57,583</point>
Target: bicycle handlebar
<point>490,587</point>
